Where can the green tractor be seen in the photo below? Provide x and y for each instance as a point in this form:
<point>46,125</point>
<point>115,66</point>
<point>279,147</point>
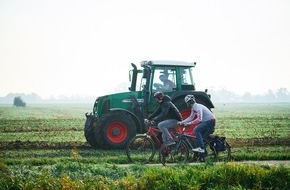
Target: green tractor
<point>116,118</point>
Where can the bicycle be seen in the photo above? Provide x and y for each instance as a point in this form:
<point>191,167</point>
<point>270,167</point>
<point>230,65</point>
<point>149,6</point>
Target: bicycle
<point>142,148</point>
<point>216,148</point>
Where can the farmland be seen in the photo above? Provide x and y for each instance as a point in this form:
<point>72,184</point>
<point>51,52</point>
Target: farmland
<point>38,139</point>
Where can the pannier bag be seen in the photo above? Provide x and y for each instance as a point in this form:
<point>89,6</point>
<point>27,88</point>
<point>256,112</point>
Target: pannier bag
<point>220,143</point>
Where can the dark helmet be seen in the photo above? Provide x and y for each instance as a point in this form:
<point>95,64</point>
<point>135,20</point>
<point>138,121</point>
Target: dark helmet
<point>189,98</point>
<point>159,95</point>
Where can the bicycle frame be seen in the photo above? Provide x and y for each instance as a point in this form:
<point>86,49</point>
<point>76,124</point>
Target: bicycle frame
<point>151,133</point>
<point>152,130</point>
<point>187,136</point>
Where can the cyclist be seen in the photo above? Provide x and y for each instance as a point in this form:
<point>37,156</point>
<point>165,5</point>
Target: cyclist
<point>165,116</point>
<point>200,116</point>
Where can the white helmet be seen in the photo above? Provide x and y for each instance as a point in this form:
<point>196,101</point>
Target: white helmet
<point>189,98</point>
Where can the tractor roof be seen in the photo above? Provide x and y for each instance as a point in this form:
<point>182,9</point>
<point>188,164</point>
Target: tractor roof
<point>167,63</point>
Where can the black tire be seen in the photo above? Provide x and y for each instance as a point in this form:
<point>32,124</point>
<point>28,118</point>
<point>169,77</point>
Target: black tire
<point>193,156</point>
<point>213,155</point>
<point>140,150</point>
<point>225,155</point>
<point>177,153</point>
<point>90,124</point>
<point>114,130</point>
<point>210,154</point>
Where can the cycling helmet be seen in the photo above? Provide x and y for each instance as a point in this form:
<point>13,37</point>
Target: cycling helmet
<point>159,95</point>
<point>189,98</point>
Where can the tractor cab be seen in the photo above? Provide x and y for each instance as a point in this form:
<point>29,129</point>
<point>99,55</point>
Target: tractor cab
<point>165,76</point>
<point>170,77</point>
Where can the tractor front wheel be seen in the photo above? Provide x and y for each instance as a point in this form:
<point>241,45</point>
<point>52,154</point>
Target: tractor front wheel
<point>91,123</point>
<point>115,130</point>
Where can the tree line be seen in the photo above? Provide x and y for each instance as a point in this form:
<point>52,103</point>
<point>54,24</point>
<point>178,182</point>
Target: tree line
<point>223,95</point>
<point>280,95</point>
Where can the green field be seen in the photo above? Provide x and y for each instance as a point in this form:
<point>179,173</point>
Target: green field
<point>38,139</point>
<point>64,123</point>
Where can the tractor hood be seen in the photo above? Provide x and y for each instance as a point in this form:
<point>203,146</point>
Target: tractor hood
<point>123,100</point>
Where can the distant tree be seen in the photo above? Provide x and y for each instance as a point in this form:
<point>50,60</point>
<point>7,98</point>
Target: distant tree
<point>18,102</point>
<point>247,97</point>
<point>270,96</point>
<point>283,94</point>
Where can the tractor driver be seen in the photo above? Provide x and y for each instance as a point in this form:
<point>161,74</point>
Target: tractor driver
<point>168,84</point>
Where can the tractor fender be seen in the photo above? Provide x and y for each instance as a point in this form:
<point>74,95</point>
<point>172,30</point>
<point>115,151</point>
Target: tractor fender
<point>201,97</point>
<point>134,117</point>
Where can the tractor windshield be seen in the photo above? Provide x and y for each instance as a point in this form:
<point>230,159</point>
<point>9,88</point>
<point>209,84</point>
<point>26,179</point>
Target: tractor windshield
<point>187,82</point>
<point>186,76</point>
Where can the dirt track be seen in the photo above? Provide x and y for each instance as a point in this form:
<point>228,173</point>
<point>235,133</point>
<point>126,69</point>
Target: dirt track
<point>271,163</point>
<point>286,163</point>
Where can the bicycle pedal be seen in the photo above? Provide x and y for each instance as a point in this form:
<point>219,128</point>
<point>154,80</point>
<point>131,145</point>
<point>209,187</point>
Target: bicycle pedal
<point>202,160</point>
<point>212,136</point>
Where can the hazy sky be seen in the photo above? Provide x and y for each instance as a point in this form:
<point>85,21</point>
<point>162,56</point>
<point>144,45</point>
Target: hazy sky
<point>85,47</point>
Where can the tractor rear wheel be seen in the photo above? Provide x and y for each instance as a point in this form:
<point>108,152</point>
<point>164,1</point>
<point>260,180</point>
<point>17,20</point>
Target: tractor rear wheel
<point>115,130</point>
<point>183,108</point>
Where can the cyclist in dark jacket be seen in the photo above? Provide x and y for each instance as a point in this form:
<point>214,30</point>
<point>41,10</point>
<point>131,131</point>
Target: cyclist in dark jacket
<point>166,116</point>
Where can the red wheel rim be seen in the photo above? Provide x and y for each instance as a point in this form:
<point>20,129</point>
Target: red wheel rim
<point>185,113</point>
<point>117,132</point>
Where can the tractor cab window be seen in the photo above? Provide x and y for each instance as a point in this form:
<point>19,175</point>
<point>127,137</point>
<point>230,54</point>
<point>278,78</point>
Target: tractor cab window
<point>164,79</point>
<point>187,82</point>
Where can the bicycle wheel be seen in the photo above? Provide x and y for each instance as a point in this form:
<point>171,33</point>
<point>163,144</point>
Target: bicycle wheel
<point>174,154</point>
<point>140,150</point>
<point>210,154</point>
<point>225,155</point>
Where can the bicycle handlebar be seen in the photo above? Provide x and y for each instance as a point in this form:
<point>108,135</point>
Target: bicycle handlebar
<point>152,125</point>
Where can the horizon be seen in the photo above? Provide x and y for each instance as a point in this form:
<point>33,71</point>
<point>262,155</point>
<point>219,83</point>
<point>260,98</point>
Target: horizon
<point>126,90</point>
<point>220,96</point>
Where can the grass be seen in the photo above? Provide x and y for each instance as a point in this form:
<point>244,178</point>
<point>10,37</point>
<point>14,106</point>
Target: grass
<point>91,176</point>
<point>253,120</point>
<point>50,136</point>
